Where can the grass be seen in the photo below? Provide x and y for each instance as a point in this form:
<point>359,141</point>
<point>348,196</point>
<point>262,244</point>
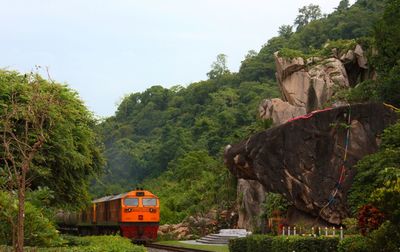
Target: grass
<point>215,248</point>
<point>88,244</point>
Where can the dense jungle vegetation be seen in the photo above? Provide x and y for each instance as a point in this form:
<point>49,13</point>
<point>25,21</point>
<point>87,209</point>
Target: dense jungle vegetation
<point>171,140</point>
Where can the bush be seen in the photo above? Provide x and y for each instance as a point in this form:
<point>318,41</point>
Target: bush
<point>304,244</point>
<point>369,218</point>
<point>356,243</point>
<point>102,243</point>
<point>351,226</point>
<point>88,244</point>
<point>259,243</point>
<point>385,238</point>
<point>39,230</point>
<point>274,202</point>
<point>262,243</point>
<point>238,245</point>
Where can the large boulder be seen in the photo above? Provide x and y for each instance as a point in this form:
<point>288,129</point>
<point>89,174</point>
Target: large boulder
<point>286,67</point>
<point>279,111</point>
<point>302,159</point>
<point>310,86</point>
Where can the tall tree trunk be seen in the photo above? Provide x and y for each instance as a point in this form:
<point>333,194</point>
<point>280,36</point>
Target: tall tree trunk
<point>21,212</point>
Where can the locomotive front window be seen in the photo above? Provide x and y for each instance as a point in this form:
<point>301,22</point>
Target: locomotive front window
<point>131,201</point>
<point>149,202</point>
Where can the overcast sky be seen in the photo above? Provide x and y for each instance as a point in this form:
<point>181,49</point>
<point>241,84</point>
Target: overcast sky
<point>107,49</point>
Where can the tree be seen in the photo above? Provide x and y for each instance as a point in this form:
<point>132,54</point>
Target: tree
<point>343,5</point>
<point>387,36</point>
<point>250,54</point>
<point>38,122</point>
<point>307,14</point>
<point>285,31</point>
<point>218,67</point>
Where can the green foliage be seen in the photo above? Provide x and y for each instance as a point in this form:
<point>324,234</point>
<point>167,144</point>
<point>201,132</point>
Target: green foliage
<point>218,68</point>
<point>386,238</point>
<point>345,24</point>
<point>194,183</point>
<point>387,37</point>
<point>389,87</point>
<point>291,53</point>
<point>366,91</point>
<point>285,31</point>
<point>351,225</point>
<point>256,243</point>
<point>385,60</point>
<point>274,202</point>
<point>343,5</point>
<point>377,175</point>
<point>238,244</point>
<point>71,153</point>
<point>354,243</point>
<point>303,244</point>
<point>341,45</point>
<point>143,139</point>
<point>307,14</point>
<point>387,198</point>
<point>39,230</point>
<point>102,243</point>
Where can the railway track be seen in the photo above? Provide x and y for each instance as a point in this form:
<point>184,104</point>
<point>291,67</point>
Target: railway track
<point>173,248</point>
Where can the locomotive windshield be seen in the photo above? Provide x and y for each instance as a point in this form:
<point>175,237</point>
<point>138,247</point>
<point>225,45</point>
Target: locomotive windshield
<point>149,202</point>
<point>131,201</point>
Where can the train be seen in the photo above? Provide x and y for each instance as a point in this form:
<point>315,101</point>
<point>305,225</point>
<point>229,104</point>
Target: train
<point>134,214</point>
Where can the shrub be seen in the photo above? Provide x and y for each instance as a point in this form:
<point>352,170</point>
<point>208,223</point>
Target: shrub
<point>39,230</point>
<point>102,243</point>
<point>304,244</point>
<point>385,238</point>
<point>351,226</point>
<point>238,245</point>
<point>259,243</point>
<point>262,243</point>
<point>369,218</point>
<point>274,202</point>
<point>88,244</point>
<point>355,243</point>
<point>288,53</point>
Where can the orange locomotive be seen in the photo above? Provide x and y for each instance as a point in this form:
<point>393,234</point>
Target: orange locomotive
<point>135,214</point>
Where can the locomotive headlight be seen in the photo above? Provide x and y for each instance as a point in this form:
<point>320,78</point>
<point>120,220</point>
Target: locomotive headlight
<point>152,210</point>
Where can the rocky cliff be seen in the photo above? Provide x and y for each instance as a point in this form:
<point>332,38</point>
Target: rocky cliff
<point>310,84</point>
<point>302,158</point>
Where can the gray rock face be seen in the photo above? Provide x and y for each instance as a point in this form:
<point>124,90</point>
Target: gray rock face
<point>301,159</point>
<point>251,194</point>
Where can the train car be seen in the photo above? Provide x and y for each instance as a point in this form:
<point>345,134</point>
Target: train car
<point>135,215</point>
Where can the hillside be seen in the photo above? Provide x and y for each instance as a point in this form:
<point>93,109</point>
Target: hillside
<point>171,140</point>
